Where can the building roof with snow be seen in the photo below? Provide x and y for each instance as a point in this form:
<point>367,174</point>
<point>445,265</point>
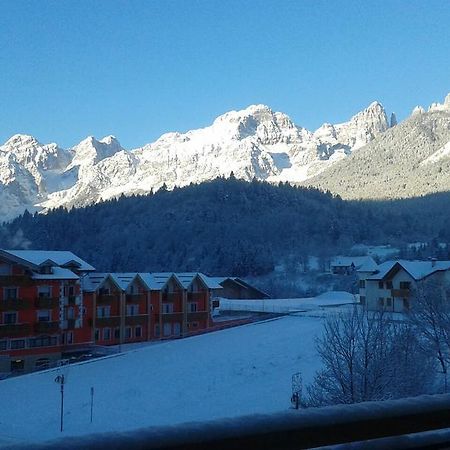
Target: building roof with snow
<point>152,281</point>
<point>38,258</point>
<point>418,270</point>
<point>358,262</point>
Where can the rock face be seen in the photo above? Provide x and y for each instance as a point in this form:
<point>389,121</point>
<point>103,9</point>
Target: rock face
<point>255,142</point>
<point>411,159</point>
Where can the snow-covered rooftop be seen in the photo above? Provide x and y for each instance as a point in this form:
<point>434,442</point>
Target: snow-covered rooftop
<point>58,273</point>
<point>417,269</point>
<point>357,261</point>
<point>52,257</point>
<point>153,281</point>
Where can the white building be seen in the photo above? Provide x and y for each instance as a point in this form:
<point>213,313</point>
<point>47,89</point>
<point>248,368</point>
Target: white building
<point>346,265</point>
<point>389,286</point>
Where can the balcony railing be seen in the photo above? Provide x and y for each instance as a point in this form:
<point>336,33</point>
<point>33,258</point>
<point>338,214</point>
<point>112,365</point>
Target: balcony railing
<point>196,296</point>
<point>171,296</point>
<point>72,300</point>
<point>170,317</point>
<point>108,299</point>
<point>113,321</point>
<point>14,304</point>
<point>136,320</point>
<point>46,302</point>
<point>15,280</point>
<point>14,330</point>
<point>197,315</point>
<point>400,293</point>
<point>135,297</point>
<point>46,327</point>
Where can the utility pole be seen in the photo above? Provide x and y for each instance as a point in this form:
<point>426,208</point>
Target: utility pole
<point>61,380</point>
<point>92,401</point>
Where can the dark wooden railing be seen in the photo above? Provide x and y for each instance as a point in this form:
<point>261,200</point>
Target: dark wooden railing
<point>141,319</point>
<point>113,321</point>
<point>46,302</point>
<point>14,304</point>
<point>14,330</point>
<point>46,327</point>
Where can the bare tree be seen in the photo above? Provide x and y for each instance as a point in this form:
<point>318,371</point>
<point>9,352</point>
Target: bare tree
<point>430,315</point>
<point>365,357</point>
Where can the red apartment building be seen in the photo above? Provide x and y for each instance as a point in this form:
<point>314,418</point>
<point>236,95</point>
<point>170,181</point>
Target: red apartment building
<point>53,304</point>
<point>41,307</point>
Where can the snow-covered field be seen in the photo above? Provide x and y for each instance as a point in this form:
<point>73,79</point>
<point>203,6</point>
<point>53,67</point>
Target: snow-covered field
<point>242,370</point>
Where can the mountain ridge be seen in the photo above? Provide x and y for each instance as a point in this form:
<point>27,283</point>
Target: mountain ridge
<point>255,142</point>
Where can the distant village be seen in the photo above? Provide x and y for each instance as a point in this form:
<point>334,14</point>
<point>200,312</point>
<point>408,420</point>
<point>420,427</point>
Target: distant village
<point>56,308</point>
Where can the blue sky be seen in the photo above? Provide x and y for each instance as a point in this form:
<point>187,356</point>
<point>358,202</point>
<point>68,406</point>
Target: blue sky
<point>137,69</point>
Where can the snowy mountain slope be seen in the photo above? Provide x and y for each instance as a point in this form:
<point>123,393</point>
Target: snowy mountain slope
<point>411,159</point>
<point>146,387</point>
<point>254,142</point>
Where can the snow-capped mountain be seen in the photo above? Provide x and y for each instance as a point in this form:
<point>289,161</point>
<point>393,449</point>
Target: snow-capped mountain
<point>254,142</point>
<point>411,159</point>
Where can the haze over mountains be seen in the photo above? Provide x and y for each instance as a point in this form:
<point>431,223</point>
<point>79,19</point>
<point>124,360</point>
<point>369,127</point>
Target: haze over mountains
<point>367,157</point>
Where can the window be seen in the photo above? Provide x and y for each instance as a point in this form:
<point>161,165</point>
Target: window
<point>10,293</point>
<point>389,302</point>
<point>104,291</point>
<point>128,333</point>
<point>43,341</point>
<point>9,317</point>
<point>405,303</point>
<point>97,334</point>
<point>192,307</point>
<point>167,308</point>
<point>362,300</point>
<point>5,269</point>
<point>70,337</point>
<point>388,284</point>
<point>70,313</point>
<point>167,329</point>
<point>177,328</point>
<point>17,365</point>
<point>381,302</point>
<point>69,291</point>
<point>362,284</point>
<point>405,284</point>
<point>47,269</point>
<point>17,343</point>
<point>44,291</point>
<point>132,310</point>
<point>138,332</point>
<point>106,334</point>
<point>3,345</point>
<point>157,330</point>
<point>380,285</point>
<point>44,315</point>
<point>103,311</point>
<point>116,333</point>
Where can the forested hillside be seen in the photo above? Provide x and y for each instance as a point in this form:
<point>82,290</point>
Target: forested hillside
<point>226,227</point>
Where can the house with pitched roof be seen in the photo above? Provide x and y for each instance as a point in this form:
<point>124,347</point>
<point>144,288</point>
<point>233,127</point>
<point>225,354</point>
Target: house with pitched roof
<point>390,286</point>
<point>346,265</point>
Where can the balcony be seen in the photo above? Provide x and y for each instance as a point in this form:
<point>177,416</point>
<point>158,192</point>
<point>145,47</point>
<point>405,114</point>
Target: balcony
<point>171,296</point>
<point>15,280</point>
<point>14,304</point>
<point>135,297</point>
<point>108,299</point>
<point>197,315</point>
<point>46,327</point>
<point>172,317</point>
<point>46,302</point>
<point>404,293</point>
<point>113,321</point>
<point>196,296</point>
<point>136,320</point>
<point>15,329</point>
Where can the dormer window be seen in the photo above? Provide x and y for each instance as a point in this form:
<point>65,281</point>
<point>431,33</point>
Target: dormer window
<point>46,270</point>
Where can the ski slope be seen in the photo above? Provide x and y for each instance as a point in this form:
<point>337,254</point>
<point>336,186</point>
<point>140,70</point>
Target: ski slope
<point>242,370</point>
